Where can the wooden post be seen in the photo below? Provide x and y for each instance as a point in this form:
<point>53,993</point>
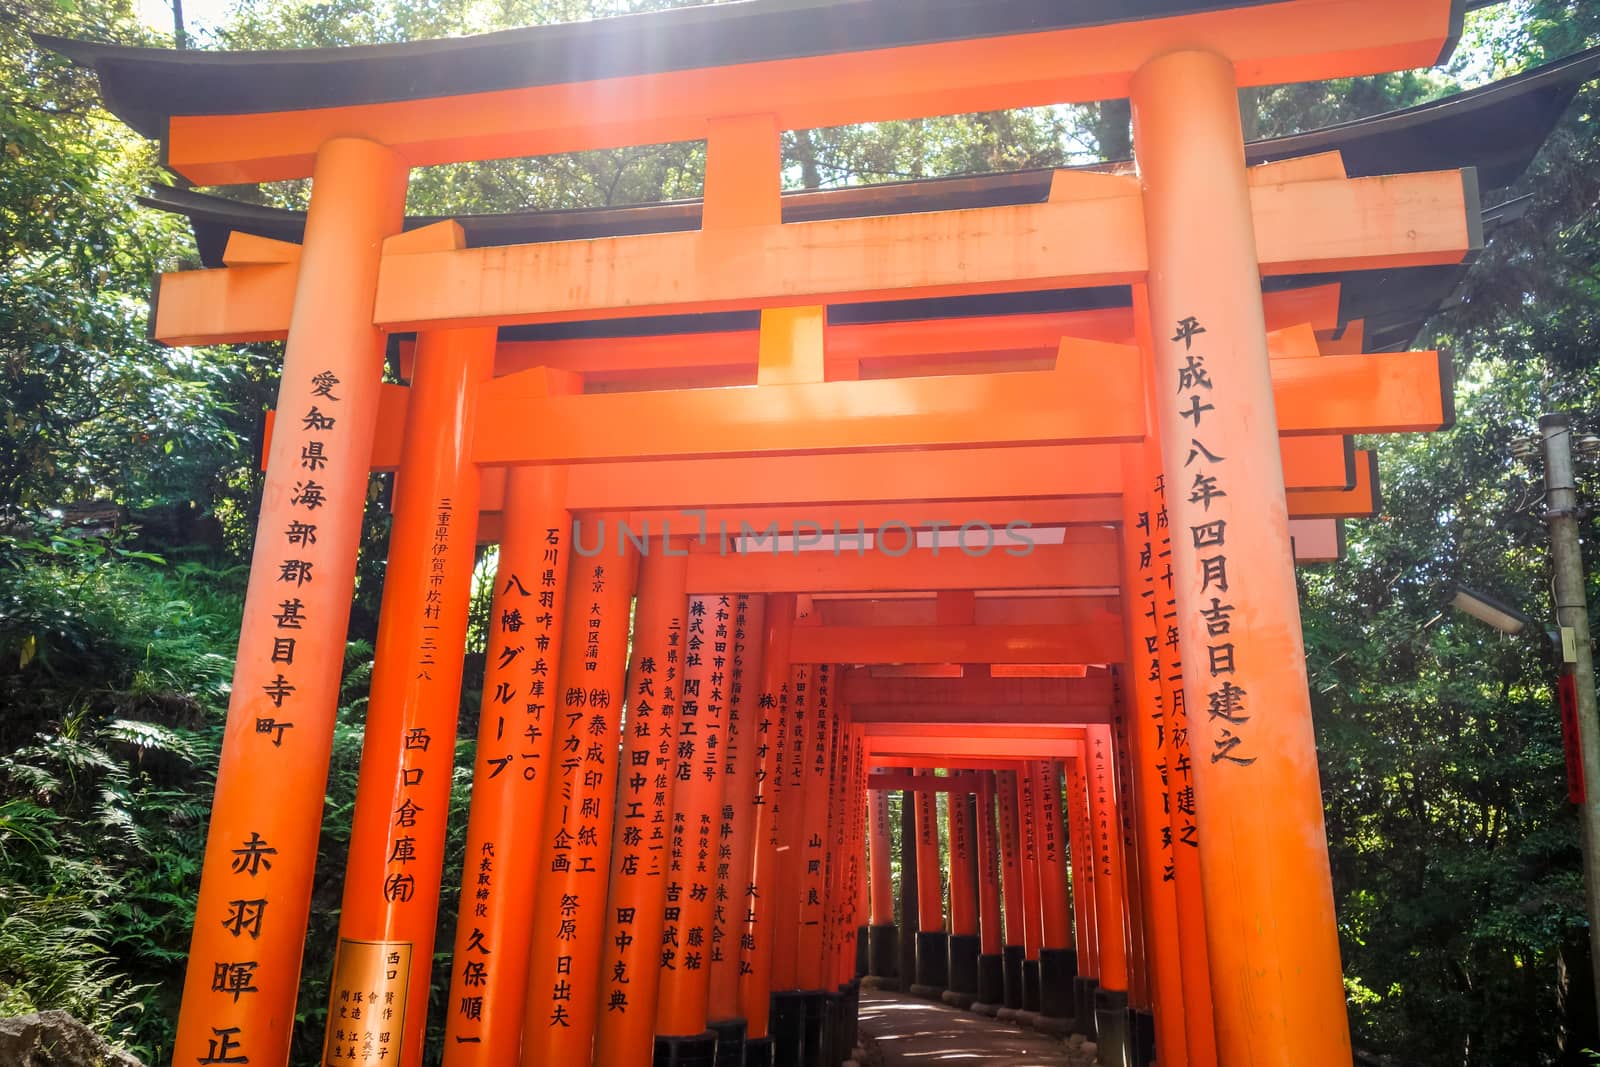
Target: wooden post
<point>736,843</point>
<point>1011,877</point>
<point>933,950</point>
<point>909,912</point>
<point>1111,999</point>
<point>489,971</point>
<point>574,867</point>
<point>1083,895</point>
<point>646,844</point>
<point>756,901</point>
<point>965,945</point>
<point>396,855</point>
<point>697,802</point>
<point>243,973</point>
<point>1276,978</point>
<point>882,940</point>
<point>1058,960</point>
<point>991,980</point>
<point>788,1007</point>
<point>1145,561</point>
<point>1032,874</point>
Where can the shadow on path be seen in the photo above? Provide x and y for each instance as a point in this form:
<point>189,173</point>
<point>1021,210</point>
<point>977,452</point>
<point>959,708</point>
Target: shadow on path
<point>909,1030</point>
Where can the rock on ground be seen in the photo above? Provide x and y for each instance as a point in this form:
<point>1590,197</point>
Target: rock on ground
<point>56,1039</point>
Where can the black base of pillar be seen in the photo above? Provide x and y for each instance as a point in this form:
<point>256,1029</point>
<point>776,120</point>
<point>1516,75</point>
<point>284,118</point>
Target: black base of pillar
<point>758,1052</point>
<point>1057,968</point>
<point>1111,1027</point>
<point>1142,1038</point>
<point>883,950</point>
<point>697,1051</point>
<point>1030,985</point>
<point>816,1028</point>
<point>964,951</point>
<point>1011,957</point>
<point>730,1042</point>
<point>787,1027</point>
<point>991,979</point>
<point>1083,1004</point>
<point>863,950</point>
<point>933,959</point>
<point>849,1015</point>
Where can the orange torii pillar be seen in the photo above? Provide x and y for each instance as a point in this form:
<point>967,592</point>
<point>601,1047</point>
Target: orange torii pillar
<point>243,973</point>
<point>909,917</point>
<point>748,708</point>
<point>991,967</point>
<point>1277,984</point>
<point>1111,997</point>
<point>1058,959</point>
<point>1143,559</point>
<point>817,789</point>
<point>965,944</point>
<point>645,844</point>
<point>788,1004</point>
<point>856,887</point>
<point>883,936</point>
<point>1032,902</point>
<point>1141,1020</point>
<point>396,855</point>
<point>1011,874</point>
<point>933,943</point>
<point>1079,829</point>
<point>682,1036</point>
<point>758,927</point>
<point>838,911</point>
<point>569,900</point>
<point>489,972</point>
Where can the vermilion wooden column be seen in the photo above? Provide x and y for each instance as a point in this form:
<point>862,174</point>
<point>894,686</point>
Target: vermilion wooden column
<point>1032,900</point>
<point>580,804</point>
<point>965,946</point>
<point>991,968</point>
<point>1140,1020</point>
<point>1276,977</point>
<point>772,735</point>
<point>882,939</point>
<point>1015,951</point>
<point>933,951</point>
<point>489,968</point>
<point>909,913</point>
<point>1058,960</point>
<point>243,974</point>
<point>817,789</point>
<point>697,800</point>
<point>396,855</point>
<point>1111,998</point>
<point>646,854</point>
<point>1083,895</point>
<point>749,706</point>
<point>1144,559</point>
<point>788,1008</point>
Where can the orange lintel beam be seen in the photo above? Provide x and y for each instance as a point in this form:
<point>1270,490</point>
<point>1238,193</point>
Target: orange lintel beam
<point>1040,407</point>
<point>1323,397</point>
<point>1317,540</point>
<point>1269,44</point>
<point>230,305</point>
<point>1003,643</point>
<point>1391,392</point>
<point>1045,567</point>
<point>918,783</point>
<point>944,749</point>
<point>988,610</point>
<point>980,713</point>
<point>1358,223</point>
<point>978,688</point>
<point>1360,501</point>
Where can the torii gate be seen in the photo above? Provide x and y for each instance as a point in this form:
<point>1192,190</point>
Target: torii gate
<point>1183,421</point>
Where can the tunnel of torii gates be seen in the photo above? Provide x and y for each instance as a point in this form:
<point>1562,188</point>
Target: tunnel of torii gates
<point>1127,394</point>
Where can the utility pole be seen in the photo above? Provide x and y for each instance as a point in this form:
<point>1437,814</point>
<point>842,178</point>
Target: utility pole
<point>1572,615</point>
